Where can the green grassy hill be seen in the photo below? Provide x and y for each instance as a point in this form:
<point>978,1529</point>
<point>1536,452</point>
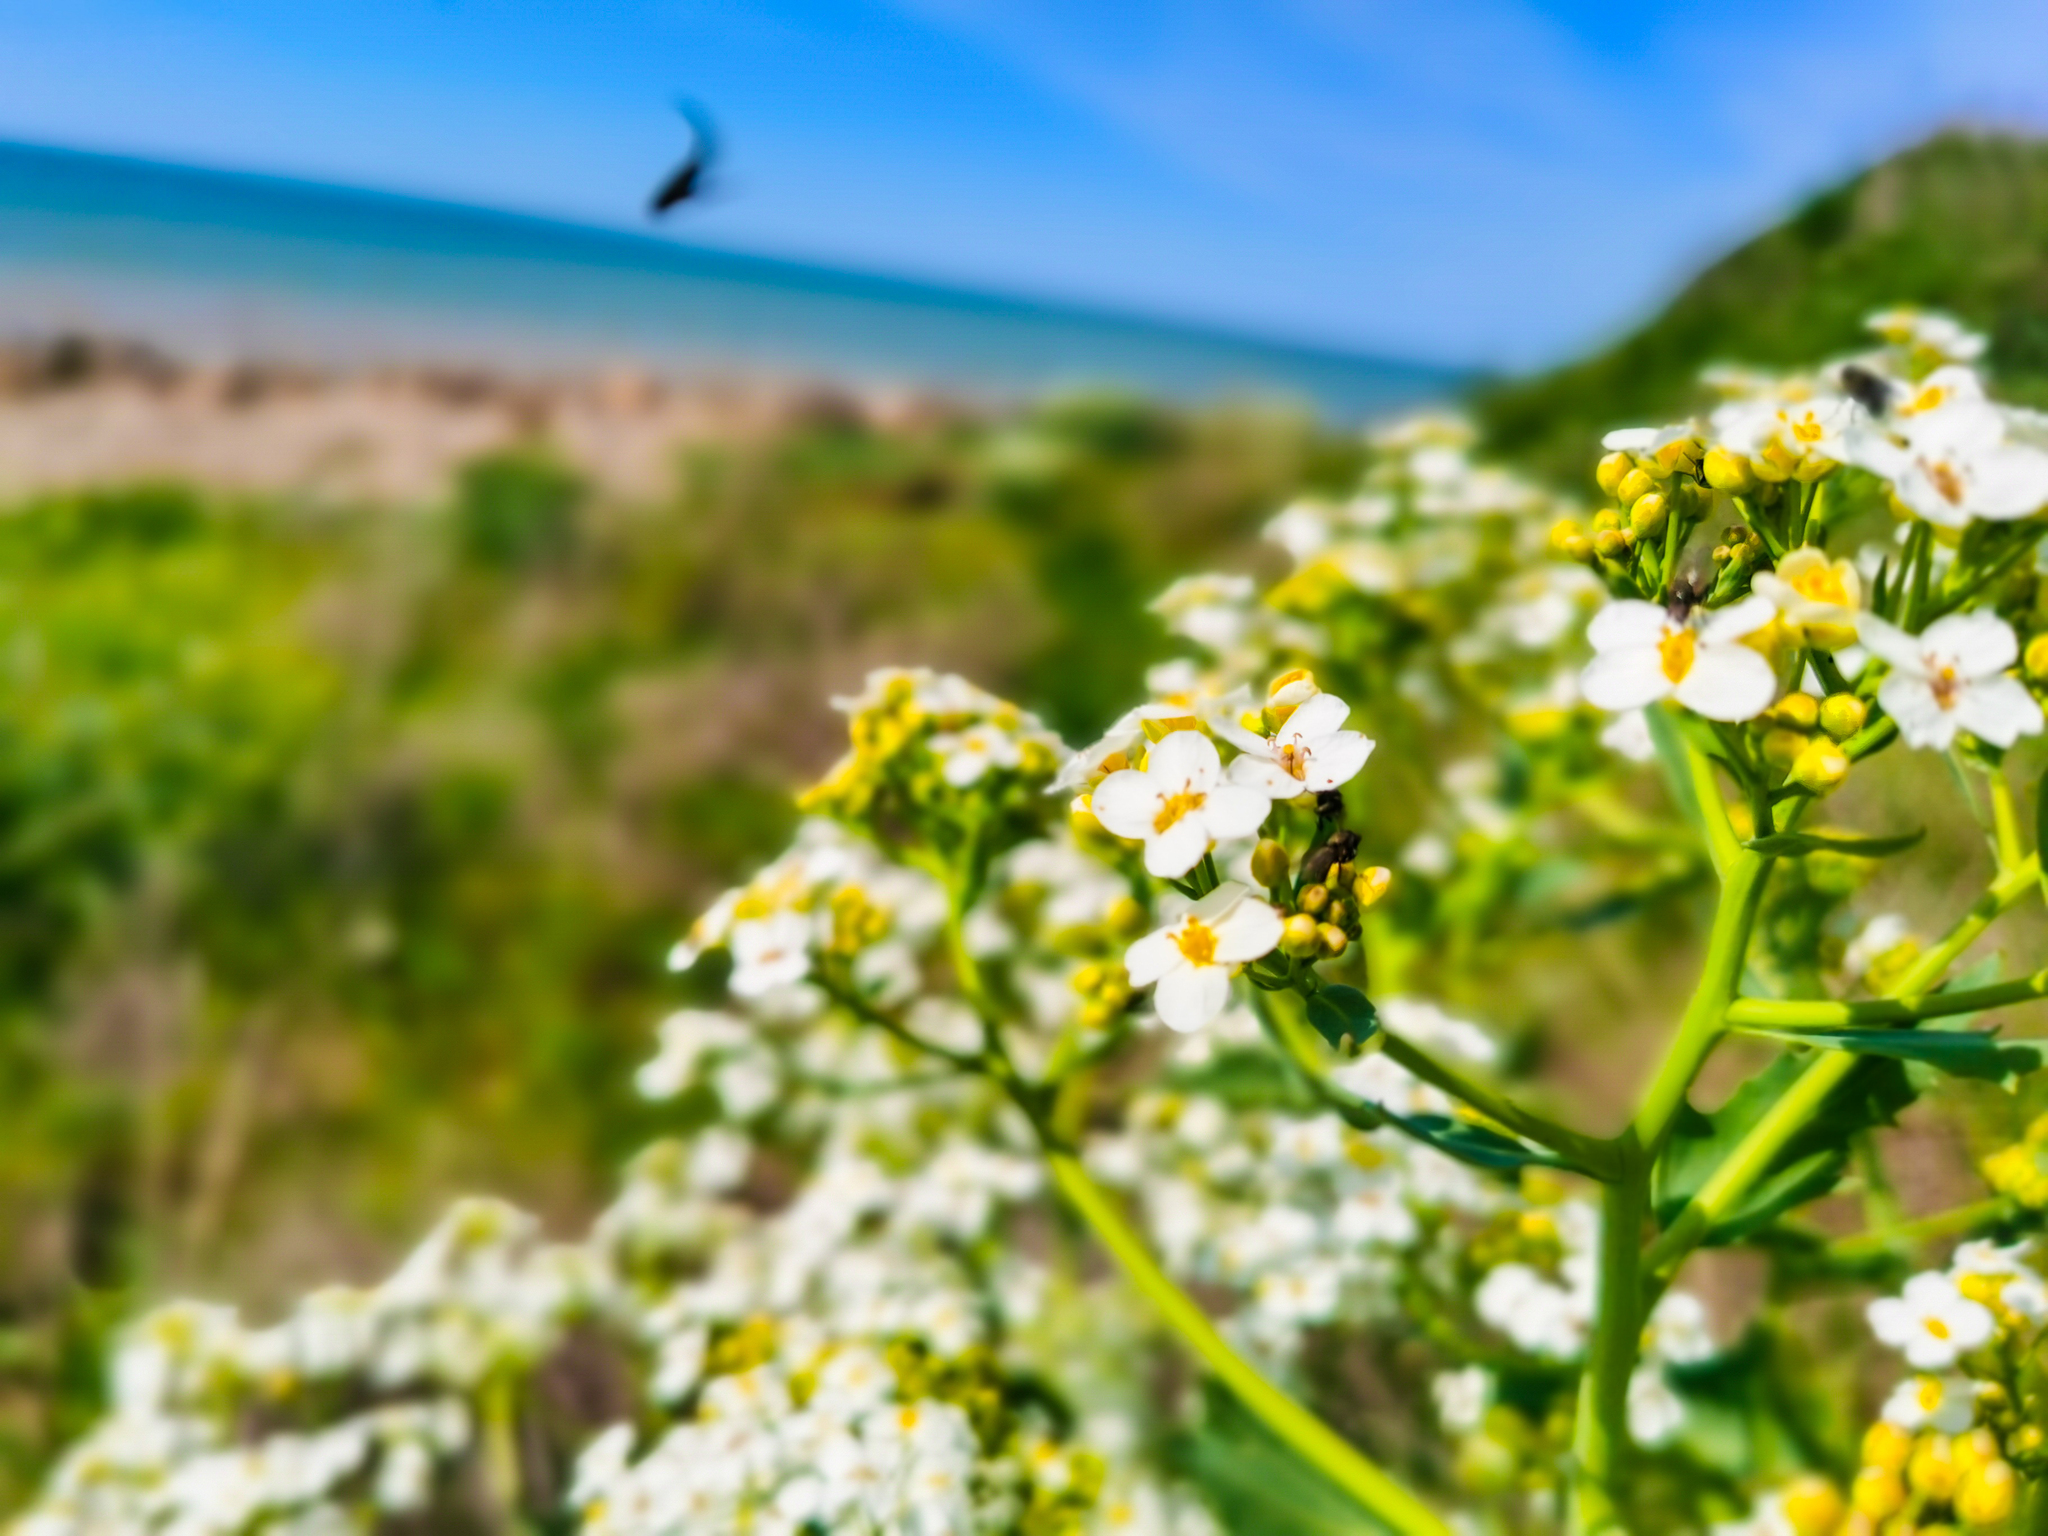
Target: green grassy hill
<point>1959,223</point>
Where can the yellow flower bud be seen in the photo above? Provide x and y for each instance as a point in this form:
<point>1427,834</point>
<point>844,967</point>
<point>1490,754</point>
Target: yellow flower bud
<point>1636,483</point>
<point>1298,935</point>
<point>1608,473</point>
<point>1878,1492</point>
<point>1647,517</point>
<point>1887,1446</point>
<point>1782,748</point>
<point>1160,729</point>
<point>1795,711</point>
<point>1979,1448</point>
<point>1821,767</point>
<point>1679,456</point>
<point>1271,863</point>
<point>1372,884</point>
<point>1564,532</point>
<point>1842,715</point>
<point>1987,1494</point>
<point>1728,472</point>
<point>1580,548</point>
<point>1609,544</point>
<point>1313,898</point>
<point>1605,520</point>
<point>2035,658</point>
<point>1932,1471</point>
<point>1812,1506</point>
<point>1333,940</point>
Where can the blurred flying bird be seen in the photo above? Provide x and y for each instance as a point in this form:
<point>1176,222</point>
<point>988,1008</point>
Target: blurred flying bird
<point>688,180</point>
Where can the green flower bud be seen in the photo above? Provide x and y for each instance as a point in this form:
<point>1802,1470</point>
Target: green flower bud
<point>1270,863</point>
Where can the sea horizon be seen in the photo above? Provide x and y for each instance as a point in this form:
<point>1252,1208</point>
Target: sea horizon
<point>230,265</point>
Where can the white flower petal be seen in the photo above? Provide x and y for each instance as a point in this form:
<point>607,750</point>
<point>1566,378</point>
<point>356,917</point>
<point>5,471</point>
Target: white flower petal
<point>1319,716</point>
<point>1726,624</point>
<point>1127,802</point>
<point>1625,678</point>
<point>1976,643</point>
<point>1264,775</point>
<point>1184,757</point>
<point>1151,957</point>
<point>1189,996</point>
<point>1998,710</point>
<point>1251,930</point>
<point>1890,643</point>
<point>1235,810</point>
<point>1728,682</point>
<point>1172,853</point>
<point>1918,713</point>
<point>1626,622</point>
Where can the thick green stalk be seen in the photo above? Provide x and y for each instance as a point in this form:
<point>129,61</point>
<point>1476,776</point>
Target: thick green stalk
<point>1754,1154</point>
<point>1313,1440</point>
<point>1823,1013</point>
<point>1742,891</point>
<point>1600,1437</point>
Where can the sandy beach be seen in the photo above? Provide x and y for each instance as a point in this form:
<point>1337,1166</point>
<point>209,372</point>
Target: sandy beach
<point>79,411</point>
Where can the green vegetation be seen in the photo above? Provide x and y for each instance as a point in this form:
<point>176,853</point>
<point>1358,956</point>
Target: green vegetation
<point>339,851</point>
<point>1959,224</point>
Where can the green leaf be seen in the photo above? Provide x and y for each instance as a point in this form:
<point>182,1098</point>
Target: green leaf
<point>1977,1053</point>
<point>1787,844</point>
<point>1471,1143</point>
<point>1809,1165</point>
<point>1244,1079</point>
<point>1340,1012</point>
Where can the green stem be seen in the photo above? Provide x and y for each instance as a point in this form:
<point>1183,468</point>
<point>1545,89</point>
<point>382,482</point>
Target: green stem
<point>2005,820</point>
<point>1597,1157</point>
<point>1974,1217</point>
<point>1742,890</point>
<point>1600,1442</point>
<point>1313,1440</point>
<point>1774,1013</point>
<point>1755,1153</point>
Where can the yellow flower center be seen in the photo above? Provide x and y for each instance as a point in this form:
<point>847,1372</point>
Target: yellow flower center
<point>1174,806</point>
<point>1947,687</point>
<point>1294,759</point>
<point>1926,400</point>
<point>1196,942</point>
<point>1822,584</point>
<point>1947,481</point>
<point>1937,1327</point>
<point>1675,652</point>
<point>1807,430</point>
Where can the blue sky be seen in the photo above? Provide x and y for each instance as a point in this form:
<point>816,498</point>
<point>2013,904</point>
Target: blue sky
<point>1466,180</point>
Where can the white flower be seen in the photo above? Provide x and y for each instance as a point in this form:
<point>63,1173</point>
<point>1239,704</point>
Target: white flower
<point>1947,1404</point>
<point>1821,596</point>
<point>1678,1330</point>
<point>1375,1215</point>
<point>1211,610</point>
<point>1929,331</point>
<point>770,952</point>
<point>1539,1317</point>
<point>1178,804</point>
<point>964,756</point>
<point>1932,1322</point>
<point>1306,1294</point>
<point>1310,752</point>
<point>1825,426</point>
<point>1193,960</point>
<point>1655,1412</point>
<point>1950,678</point>
<point>1952,458</point>
<point>1424,1023</point>
<point>1461,1398</point>
<point>1644,655</point>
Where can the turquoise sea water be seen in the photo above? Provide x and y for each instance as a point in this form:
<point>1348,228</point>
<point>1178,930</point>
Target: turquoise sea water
<point>219,264</point>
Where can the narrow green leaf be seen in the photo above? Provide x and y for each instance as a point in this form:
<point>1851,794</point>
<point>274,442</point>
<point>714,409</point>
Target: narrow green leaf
<point>1785,844</point>
<point>1960,1053</point>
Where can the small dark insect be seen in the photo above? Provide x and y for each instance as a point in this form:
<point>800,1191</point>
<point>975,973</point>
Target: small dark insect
<point>1330,804</point>
<point>1869,390</point>
<point>1340,849</point>
<point>688,181</point>
<point>1687,589</point>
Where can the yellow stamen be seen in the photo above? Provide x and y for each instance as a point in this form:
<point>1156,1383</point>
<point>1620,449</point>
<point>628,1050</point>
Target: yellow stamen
<point>1675,653</point>
<point>1196,942</point>
<point>1175,806</point>
<point>1947,687</point>
<point>1822,584</point>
